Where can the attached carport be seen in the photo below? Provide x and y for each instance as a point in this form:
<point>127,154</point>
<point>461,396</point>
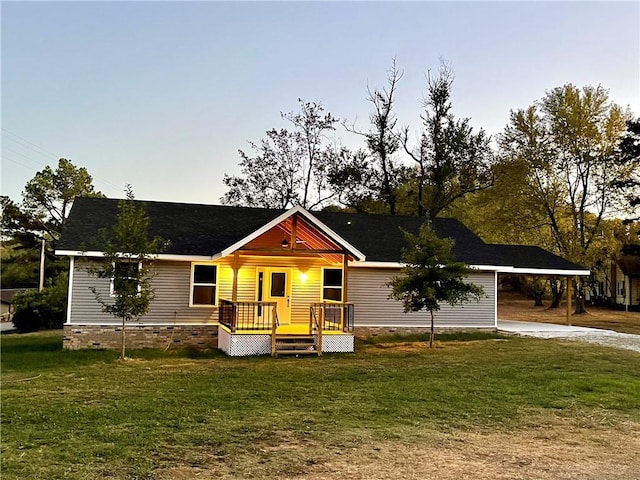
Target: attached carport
<point>532,260</point>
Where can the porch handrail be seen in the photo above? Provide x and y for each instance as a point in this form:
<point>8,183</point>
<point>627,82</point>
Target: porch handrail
<point>314,324</point>
<point>242,316</point>
<point>334,316</point>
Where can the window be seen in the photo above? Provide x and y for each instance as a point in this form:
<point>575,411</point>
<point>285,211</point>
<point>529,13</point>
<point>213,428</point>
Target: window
<point>332,284</point>
<point>203,284</point>
<point>278,284</point>
<point>126,278</point>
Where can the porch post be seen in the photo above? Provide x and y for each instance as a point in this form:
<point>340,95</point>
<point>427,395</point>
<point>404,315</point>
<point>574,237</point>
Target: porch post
<point>569,298</point>
<point>294,232</point>
<point>345,289</point>
<point>234,290</point>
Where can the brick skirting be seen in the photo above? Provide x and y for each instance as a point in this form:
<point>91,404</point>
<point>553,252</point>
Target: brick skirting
<point>364,332</point>
<point>78,337</point>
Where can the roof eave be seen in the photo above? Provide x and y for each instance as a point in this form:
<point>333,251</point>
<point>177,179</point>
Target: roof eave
<point>159,256</point>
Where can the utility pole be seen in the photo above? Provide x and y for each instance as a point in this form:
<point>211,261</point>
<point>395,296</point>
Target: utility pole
<point>41,267</point>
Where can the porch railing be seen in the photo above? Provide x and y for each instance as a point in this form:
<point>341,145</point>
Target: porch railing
<point>332,317</point>
<point>242,316</point>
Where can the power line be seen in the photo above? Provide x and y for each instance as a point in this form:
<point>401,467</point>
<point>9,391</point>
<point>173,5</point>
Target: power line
<point>43,151</point>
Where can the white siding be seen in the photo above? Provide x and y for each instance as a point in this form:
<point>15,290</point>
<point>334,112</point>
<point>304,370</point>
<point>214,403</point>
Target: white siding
<point>172,284</point>
<point>367,290</point>
<point>171,303</point>
<point>373,308</point>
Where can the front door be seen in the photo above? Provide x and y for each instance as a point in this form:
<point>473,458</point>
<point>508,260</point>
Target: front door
<point>276,287</point>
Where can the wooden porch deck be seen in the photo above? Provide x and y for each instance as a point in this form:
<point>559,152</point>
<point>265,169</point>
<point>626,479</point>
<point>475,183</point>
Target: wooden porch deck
<point>252,328</point>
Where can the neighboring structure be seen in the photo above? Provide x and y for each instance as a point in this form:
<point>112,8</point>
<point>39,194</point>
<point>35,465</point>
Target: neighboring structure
<point>6,300</point>
<point>243,278</point>
<point>618,283</point>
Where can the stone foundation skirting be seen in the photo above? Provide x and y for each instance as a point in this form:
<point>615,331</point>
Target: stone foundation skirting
<point>78,337</point>
<point>364,332</point>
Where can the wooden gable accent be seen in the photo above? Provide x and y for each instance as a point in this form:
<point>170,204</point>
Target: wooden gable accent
<point>295,235</point>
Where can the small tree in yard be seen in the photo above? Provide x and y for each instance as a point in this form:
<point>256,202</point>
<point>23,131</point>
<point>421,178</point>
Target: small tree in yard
<point>431,275</point>
<point>128,259</point>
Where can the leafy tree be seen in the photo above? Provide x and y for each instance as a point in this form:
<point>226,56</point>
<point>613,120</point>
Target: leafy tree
<point>567,143</point>
<point>629,154</point>
<point>451,160</point>
<point>353,179</point>
<point>42,310</point>
<point>48,196</point>
<point>383,141</point>
<point>20,246</point>
<point>431,275</point>
<point>128,262</point>
<point>290,167</point>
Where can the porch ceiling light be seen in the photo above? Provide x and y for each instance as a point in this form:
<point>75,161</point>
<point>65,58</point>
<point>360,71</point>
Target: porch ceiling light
<point>285,243</point>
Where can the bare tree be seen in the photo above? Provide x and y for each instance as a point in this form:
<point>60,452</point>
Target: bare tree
<point>452,161</point>
<point>383,140</point>
<point>290,167</point>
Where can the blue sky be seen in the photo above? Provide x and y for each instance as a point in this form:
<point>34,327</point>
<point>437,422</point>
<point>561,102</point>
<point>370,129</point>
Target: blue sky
<point>163,94</point>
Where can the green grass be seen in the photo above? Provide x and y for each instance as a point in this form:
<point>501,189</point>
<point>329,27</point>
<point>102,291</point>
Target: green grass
<point>461,336</point>
<point>89,415</point>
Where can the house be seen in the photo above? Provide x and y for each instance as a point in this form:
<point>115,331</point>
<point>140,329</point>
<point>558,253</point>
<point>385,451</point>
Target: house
<point>7,301</point>
<point>618,283</point>
<point>252,281</point>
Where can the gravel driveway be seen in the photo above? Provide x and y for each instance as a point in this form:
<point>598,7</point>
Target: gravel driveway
<point>583,334</point>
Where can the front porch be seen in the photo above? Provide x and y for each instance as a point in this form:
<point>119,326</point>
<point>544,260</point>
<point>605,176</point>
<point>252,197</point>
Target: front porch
<point>253,328</point>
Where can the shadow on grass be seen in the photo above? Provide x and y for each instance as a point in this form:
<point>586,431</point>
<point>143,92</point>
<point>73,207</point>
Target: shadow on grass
<point>424,337</point>
<point>43,350</point>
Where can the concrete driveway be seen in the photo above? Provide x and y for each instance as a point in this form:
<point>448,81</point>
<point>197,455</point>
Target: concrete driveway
<point>584,334</point>
<point>6,327</point>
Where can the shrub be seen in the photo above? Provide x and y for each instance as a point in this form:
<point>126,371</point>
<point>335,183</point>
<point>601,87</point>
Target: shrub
<point>42,310</point>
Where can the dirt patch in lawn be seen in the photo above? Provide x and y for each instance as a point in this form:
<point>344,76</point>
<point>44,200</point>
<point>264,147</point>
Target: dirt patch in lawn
<point>514,306</point>
<point>547,451</point>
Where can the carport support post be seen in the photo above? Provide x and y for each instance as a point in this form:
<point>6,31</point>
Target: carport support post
<point>569,297</point>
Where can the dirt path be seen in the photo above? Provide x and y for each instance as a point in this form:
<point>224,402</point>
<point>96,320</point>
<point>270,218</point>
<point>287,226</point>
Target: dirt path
<point>552,450</point>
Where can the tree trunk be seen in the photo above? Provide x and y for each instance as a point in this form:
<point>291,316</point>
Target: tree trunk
<point>580,302</point>
<point>432,331</point>
<point>557,291</point>
<point>537,299</point>
<point>123,353</point>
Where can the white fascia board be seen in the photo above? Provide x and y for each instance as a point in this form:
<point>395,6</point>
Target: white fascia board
<point>292,211</point>
<point>377,264</point>
<point>485,268</point>
<point>482,268</point>
<point>161,256</point>
<point>548,271</point>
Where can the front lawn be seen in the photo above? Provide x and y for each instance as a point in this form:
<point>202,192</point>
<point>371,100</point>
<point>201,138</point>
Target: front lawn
<point>181,414</point>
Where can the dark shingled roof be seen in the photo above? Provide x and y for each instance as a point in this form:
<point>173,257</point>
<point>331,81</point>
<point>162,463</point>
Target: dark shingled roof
<point>192,229</point>
<point>528,256</point>
<point>380,237</point>
<point>195,229</point>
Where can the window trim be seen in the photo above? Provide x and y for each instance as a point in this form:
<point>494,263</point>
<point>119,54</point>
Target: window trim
<point>341,286</point>
<point>193,284</point>
<point>112,280</point>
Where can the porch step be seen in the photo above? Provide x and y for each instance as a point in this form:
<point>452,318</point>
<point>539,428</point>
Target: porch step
<point>295,345</point>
